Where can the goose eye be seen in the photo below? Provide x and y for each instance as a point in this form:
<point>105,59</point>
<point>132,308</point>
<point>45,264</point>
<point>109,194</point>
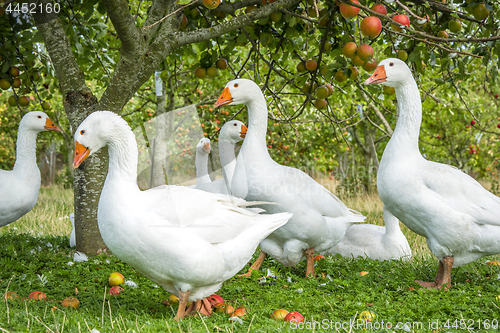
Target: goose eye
<point>375,75</point>
<point>236,85</point>
<point>391,64</point>
<point>235,124</point>
<point>39,117</point>
<point>82,132</point>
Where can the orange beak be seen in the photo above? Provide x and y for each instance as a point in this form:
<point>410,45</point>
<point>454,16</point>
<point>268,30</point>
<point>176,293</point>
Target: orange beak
<point>378,76</point>
<point>81,153</point>
<point>243,132</point>
<point>224,99</point>
<point>50,126</point>
<point>206,148</point>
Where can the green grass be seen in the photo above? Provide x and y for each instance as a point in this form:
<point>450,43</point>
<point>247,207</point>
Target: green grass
<point>37,260</point>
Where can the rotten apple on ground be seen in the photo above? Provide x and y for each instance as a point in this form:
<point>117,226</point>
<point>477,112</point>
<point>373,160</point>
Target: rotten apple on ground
<point>295,317</point>
<point>279,314</point>
<point>215,299</point>
<point>367,316</point>
<point>240,312</point>
<point>115,290</point>
<point>38,295</point>
<point>10,295</point>
<point>224,307</point>
<point>72,302</point>
<point>319,257</point>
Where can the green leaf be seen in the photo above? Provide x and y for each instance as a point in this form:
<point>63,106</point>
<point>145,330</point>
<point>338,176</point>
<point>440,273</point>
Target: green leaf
<point>79,48</point>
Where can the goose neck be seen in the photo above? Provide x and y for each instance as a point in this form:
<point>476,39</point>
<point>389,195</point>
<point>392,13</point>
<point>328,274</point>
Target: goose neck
<point>227,159</point>
<point>26,149</point>
<point>201,164</point>
<point>123,157</point>
<point>257,122</point>
<point>409,117</point>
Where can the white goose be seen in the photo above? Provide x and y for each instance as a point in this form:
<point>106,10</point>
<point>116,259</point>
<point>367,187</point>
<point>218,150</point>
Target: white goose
<point>186,240</point>
<point>459,218</point>
<point>374,241</point>
<point>19,187</point>
<point>319,220</point>
<point>231,133</point>
<point>201,162</point>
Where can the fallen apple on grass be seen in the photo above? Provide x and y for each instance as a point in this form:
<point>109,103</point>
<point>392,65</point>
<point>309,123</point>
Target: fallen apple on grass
<point>279,314</point>
<point>215,299</point>
<point>173,299</point>
<point>115,290</point>
<point>367,316</point>
<point>115,279</point>
<point>295,317</point>
<point>72,302</point>
<point>363,273</point>
<point>318,257</point>
<point>240,312</point>
<point>493,263</point>
<point>38,295</point>
<point>10,295</point>
<point>224,307</point>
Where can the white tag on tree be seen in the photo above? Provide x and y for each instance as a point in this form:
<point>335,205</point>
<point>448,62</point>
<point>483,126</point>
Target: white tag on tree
<point>158,84</point>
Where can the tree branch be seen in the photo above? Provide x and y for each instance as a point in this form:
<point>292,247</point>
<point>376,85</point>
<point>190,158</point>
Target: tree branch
<point>444,9</point>
<point>58,45</point>
<point>119,13</point>
<point>156,13</point>
<point>230,8</point>
<point>238,22</point>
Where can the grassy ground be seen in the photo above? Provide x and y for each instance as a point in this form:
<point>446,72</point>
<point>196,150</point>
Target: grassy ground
<point>35,256</point>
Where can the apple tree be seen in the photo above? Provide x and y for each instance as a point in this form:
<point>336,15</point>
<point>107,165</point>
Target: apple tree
<point>310,57</point>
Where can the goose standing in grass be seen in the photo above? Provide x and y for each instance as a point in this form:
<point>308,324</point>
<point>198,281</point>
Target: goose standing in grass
<point>231,133</point>
<point>458,217</point>
<point>19,187</point>
<point>319,220</point>
<point>186,240</point>
<point>374,241</point>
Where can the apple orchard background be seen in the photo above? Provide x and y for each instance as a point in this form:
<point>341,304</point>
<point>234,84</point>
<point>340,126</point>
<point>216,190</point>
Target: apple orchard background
<point>452,46</point>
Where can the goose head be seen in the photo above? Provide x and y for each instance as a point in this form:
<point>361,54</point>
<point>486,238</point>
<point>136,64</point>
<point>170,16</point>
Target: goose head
<point>203,146</point>
<point>239,91</point>
<point>38,121</point>
<point>233,131</point>
<point>391,72</point>
<point>95,132</point>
